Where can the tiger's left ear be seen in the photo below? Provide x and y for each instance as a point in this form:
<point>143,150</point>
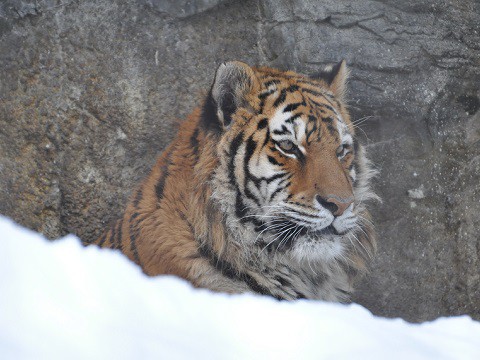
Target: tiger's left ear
<point>234,80</point>
<point>336,77</point>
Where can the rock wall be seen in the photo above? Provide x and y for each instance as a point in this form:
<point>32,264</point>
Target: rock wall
<point>90,92</point>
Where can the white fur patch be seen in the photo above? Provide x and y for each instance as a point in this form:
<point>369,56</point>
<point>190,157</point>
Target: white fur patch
<point>296,129</point>
<point>324,250</point>
<point>353,174</point>
<point>260,166</point>
<point>278,121</point>
<point>346,221</point>
<point>345,137</point>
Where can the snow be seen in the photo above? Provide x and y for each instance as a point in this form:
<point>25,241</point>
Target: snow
<point>60,300</point>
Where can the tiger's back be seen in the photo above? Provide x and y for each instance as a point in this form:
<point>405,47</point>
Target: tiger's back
<point>263,189</point>
<point>157,210</point>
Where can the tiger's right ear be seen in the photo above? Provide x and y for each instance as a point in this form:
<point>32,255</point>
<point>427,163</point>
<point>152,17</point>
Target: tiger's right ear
<point>234,80</point>
<point>336,77</point>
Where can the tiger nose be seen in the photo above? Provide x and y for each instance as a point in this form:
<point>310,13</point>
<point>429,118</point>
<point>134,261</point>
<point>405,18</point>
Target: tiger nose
<point>335,204</point>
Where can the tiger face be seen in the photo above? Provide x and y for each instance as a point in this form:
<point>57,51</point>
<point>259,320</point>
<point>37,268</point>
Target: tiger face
<point>287,177</point>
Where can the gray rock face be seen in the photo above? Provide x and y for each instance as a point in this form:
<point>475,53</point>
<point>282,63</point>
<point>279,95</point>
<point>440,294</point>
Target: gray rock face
<point>90,92</point>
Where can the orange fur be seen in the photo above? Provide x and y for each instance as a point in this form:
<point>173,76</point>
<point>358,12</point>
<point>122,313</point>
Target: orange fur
<point>171,219</point>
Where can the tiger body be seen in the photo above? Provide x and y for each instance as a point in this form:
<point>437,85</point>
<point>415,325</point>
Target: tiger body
<point>260,191</point>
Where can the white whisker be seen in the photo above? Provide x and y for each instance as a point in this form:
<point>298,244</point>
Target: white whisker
<point>271,242</point>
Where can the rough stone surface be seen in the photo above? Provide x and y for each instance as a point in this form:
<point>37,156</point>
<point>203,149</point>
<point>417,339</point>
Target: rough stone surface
<point>90,92</point>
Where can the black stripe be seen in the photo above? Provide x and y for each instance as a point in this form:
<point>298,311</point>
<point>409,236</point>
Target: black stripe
<point>293,106</point>
<point>283,281</point>
<point>299,294</point>
<point>283,131</point>
<point>319,94</point>
<point>262,124</point>
<point>300,156</point>
<point>332,130</point>
<point>185,219</point>
<point>119,236</point>
<point>291,119</point>
<point>267,137</point>
<point>301,205</point>
<point>263,96</point>
<point>284,183</point>
<point>160,186</point>
<point>343,292</point>
<point>281,98</point>
<point>313,92</point>
<point>138,198</point>
<point>134,230</point>
<point>309,82</point>
<point>112,234</point>
<point>311,120</point>
<point>271,82</point>
<point>262,105</point>
<point>249,150</point>
<point>240,208</point>
<point>102,240</point>
<point>299,213</point>
<point>274,177</point>
<point>251,196</point>
<point>292,88</point>
<point>280,188</point>
<point>223,266</point>
<point>274,161</point>
<point>283,95</point>
<point>228,270</point>
<point>320,105</point>
<point>268,180</point>
<point>255,286</point>
<point>287,284</point>
<point>234,146</point>
<point>266,94</point>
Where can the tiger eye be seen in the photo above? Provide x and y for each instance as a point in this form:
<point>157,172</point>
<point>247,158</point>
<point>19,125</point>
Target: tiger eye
<point>343,150</point>
<point>286,145</point>
<point>340,150</point>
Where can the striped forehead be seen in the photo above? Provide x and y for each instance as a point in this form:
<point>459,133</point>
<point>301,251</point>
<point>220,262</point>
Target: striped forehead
<point>304,120</point>
<point>300,109</point>
<point>287,125</point>
<point>284,98</point>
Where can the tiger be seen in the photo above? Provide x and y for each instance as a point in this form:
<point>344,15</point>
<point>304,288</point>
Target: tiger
<point>263,190</point>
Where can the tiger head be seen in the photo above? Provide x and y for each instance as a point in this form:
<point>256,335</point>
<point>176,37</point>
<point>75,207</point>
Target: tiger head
<point>291,176</point>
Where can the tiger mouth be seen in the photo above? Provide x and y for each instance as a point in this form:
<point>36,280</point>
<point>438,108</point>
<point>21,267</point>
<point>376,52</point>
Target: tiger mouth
<point>285,240</point>
<point>304,230</point>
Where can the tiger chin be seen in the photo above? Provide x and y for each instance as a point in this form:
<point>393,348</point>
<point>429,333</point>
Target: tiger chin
<point>263,190</point>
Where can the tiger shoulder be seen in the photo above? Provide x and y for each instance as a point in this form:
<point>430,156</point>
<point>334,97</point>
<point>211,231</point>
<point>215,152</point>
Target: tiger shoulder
<point>264,189</point>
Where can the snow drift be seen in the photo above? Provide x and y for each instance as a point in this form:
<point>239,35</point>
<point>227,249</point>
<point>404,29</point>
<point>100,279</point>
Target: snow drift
<point>59,300</point>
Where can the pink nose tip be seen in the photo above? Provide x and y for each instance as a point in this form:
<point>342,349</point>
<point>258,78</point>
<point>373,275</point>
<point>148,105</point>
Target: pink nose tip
<point>335,204</point>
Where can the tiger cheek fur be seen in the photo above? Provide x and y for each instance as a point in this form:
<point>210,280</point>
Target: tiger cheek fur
<point>262,190</point>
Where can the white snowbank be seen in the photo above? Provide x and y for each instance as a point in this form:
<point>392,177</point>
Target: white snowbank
<point>62,301</point>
